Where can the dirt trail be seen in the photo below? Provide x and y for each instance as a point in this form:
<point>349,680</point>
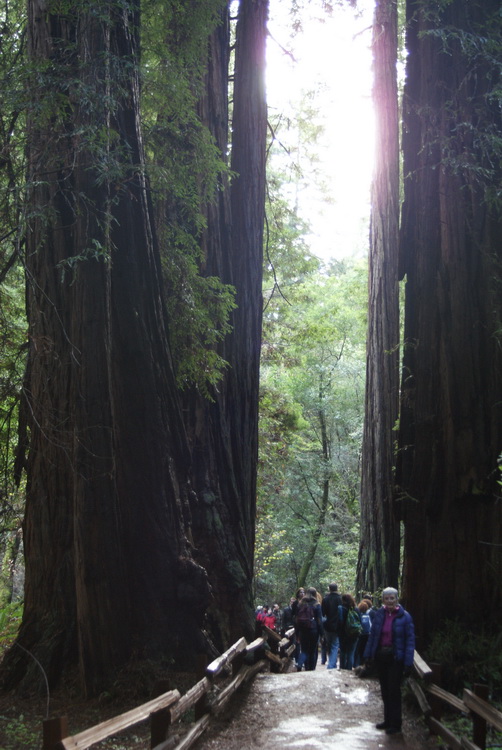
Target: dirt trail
<point>320,710</point>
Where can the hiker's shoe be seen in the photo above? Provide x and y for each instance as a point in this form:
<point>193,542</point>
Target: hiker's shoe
<point>382,725</point>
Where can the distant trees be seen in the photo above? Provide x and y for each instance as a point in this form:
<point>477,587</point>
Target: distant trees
<point>12,298</point>
<point>311,423</point>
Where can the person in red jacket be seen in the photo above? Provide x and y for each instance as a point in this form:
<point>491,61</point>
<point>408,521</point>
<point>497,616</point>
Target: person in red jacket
<point>269,619</point>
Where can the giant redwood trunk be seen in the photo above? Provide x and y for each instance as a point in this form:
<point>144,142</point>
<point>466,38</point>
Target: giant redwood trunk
<point>225,432</point>
<point>107,496</point>
<point>451,421</point>
<point>378,562</point>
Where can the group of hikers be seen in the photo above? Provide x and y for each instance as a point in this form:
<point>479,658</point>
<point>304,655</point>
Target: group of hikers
<point>350,635</point>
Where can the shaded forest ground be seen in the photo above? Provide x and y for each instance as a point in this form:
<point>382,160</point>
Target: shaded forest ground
<point>21,717</point>
<point>322,709</point>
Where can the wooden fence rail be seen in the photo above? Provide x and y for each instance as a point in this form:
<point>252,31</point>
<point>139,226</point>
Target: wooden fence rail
<point>223,677</point>
<point>431,697</point>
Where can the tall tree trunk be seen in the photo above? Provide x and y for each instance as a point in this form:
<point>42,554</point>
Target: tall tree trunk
<point>378,562</point>
<point>225,432</point>
<point>107,500</point>
<point>451,426</point>
<point>323,506</point>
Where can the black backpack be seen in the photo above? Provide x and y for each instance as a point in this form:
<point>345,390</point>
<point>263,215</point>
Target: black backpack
<point>305,618</point>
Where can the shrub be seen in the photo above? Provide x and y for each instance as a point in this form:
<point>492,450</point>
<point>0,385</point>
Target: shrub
<point>467,657</point>
<point>10,619</point>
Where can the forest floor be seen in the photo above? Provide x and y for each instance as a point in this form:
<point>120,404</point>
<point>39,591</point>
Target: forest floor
<point>320,710</point>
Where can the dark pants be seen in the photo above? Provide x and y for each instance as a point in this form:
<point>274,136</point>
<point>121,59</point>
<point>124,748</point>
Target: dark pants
<point>347,651</point>
<point>297,646</point>
<point>390,675</point>
<point>308,656</point>
<point>361,645</point>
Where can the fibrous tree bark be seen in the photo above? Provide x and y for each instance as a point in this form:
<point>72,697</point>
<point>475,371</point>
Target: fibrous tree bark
<point>451,422</point>
<point>378,562</point>
<point>224,433</point>
<point>107,511</point>
<point>323,505</point>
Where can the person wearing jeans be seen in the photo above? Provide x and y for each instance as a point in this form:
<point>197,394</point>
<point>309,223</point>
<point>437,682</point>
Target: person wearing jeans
<point>348,640</point>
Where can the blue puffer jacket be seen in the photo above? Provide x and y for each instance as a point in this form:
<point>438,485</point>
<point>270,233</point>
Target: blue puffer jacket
<point>403,636</point>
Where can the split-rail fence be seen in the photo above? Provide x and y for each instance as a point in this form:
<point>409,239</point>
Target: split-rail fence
<point>239,664</point>
<point>222,678</point>
<point>433,699</point>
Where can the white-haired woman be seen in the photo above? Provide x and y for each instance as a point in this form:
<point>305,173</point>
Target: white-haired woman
<point>391,645</point>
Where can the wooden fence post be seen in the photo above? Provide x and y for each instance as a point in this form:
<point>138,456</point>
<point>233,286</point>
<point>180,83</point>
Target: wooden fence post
<point>160,720</point>
<point>237,663</point>
<point>436,704</point>
<point>478,723</point>
<point>54,730</point>
<point>200,707</point>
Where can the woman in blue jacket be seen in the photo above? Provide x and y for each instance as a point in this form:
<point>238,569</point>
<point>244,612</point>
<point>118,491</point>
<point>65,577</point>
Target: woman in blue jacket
<point>391,645</point>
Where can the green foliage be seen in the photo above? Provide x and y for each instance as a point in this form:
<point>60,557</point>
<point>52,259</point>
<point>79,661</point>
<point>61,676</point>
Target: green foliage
<point>201,309</point>
<point>312,381</point>
<point>79,96</point>
<point>10,619</point>
<point>288,258</point>
<point>270,552</point>
<point>293,144</point>
<point>186,171</point>
<point>312,362</point>
<point>12,358</point>
<point>12,123</point>
<point>12,315</point>
<point>338,551</point>
<point>19,733</point>
<point>311,415</point>
<point>280,419</point>
<point>467,657</point>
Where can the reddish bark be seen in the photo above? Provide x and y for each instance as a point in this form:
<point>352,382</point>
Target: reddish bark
<point>107,559</point>
<point>378,563</point>
<point>451,426</point>
<point>225,433</point>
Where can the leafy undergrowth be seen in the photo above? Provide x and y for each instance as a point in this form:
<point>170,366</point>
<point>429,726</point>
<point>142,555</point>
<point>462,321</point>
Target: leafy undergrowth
<point>21,718</point>
<point>10,619</point>
<point>467,657</point>
<point>461,726</point>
